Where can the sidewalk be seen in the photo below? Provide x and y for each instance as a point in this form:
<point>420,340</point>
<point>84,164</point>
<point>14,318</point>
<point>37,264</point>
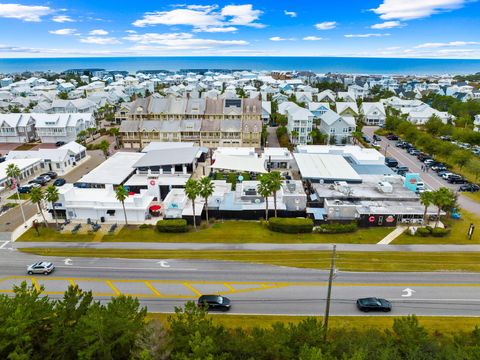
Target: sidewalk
<point>392,236</point>
<point>248,246</point>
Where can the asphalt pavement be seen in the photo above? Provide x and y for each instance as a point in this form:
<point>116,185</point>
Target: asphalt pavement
<point>430,178</point>
<point>163,284</point>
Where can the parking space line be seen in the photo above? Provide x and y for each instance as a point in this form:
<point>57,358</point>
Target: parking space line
<point>191,288</point>
<point>152,289</point>
<point>115,290</point>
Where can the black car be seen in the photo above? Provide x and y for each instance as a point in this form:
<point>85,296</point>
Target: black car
<point>391,162</point>
<point>376,137</point>
<point>374,304</point>
<point>41,180</point>
<point>26,189</point>
<point>60,143</point>
<point>214,302</point>
<point>51,174</point>
<point>469,187</point>
<point>2,159</point>
<point>456,179</point>
<point>392,137</point>
<point>59,182</point>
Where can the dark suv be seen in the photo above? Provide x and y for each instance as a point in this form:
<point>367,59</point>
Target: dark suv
<point>456,179</point>
<point>214,302</point>
<point>469,187</point>
<point>391,162</point>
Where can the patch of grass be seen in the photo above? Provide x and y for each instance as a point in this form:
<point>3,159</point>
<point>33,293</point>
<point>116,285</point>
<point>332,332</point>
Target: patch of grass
<point>22,197</point>
<point>474,196</point>
<point>457,235</point>
<point>25,146</point>
<point>11,205</point>
<point>50,234</point>
<point>346,261</point>
<point>434,324</point>
<point>234,232</point>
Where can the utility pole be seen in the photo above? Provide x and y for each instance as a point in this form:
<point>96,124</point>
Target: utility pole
<point>329,293</point>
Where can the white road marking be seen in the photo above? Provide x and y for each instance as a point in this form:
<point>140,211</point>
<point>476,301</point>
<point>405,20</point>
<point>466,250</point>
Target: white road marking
<point>407,292</point>
<point>4,244</point>
<point>67,261</point>
<point>163,264</point>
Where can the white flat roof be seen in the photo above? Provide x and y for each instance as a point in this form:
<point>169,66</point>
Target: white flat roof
<point>114,170</point>
<point>239,163</point>
<point>166,179</point>
<point>326,167</point>
<point>358,154</point>
<point>21,163</point>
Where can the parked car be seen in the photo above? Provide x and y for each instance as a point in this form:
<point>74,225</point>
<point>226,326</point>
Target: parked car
<point>441,173</point>
<point>391,162</point>
<point>402,170</point>
<point>2,159</point>
<point>59,182</point>
<point>400,144</point>
<point>374,304</point>
<point>50,174</point>
<point>376,137</point>
<point>42,267</point>
<point>214,302</point>
<point>456,179</point>
<point>420,188</point>
<point>392,137</point>
<point>41,180</point>
<point>367,139</point>
<point>447,175</point>
<point>469,187</point>
<point>25,189</point>
<point>60,143</point>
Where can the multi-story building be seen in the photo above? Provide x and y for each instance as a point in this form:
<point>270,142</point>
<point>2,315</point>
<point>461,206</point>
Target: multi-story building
<point>17,128</point>
<point>204,121</point>
<point>61,127</point>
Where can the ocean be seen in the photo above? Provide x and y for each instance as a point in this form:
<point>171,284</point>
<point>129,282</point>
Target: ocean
<point>351,65</point>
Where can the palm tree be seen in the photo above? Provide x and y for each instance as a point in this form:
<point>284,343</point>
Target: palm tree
<point>37,195</point>
<point>265,191</point>
<point>121,193</point>
<point>114,132</point>
<point>294,134</point>
<point>206,190</point>
<point>443,199</point>
<point>426,198</point>
<point>275,180</point>
<point>13,172</point>
<point>104,146</point>
<point>192,190</point>
<point>51,195</point>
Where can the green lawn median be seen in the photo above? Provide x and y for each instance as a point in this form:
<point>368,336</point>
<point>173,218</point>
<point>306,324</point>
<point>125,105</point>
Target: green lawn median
<point>346,261</point>
<point>435,324</point>
<point>221,232</point>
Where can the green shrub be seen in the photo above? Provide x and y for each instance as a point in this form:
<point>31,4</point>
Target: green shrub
<point>440,232</point>
<point>338,228</point>
<point>172,226</point>
<point>144,226</point>
<point>423,232</point>
<point>291,225</point>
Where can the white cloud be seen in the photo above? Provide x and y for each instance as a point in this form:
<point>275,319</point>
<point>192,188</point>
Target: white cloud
<point>415,9</point>
<point>130,31</point>
<point>217,29</point>
<point>242,15</point>
<point>100,40</point>
<point>326,25</point>
<point>292,14</point>
<point>365,35</point>
<point>312,38</point>
<point>448,44</point>
<point>204,18</point>
<point>24,12</point>
<point>387,25</point>
<point>98,32</point>
<point>278,38</point>
<point>62,19</point>
<point>64,32</point>
<point>178,41</point>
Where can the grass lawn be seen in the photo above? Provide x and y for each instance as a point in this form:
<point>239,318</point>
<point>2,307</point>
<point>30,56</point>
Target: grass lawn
<point>50,234</point>
<point>435,324</point>
<point>229,232</point>
<point>474,196</point>
<point>22,196</point>
<point>346,261</point>
<point>458,233</point>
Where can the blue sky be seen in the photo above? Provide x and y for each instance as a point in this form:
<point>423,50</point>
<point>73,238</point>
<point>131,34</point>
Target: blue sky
<point>381,28</point>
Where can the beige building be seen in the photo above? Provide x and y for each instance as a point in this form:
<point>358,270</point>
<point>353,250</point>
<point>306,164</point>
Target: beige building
<point>206,122</point>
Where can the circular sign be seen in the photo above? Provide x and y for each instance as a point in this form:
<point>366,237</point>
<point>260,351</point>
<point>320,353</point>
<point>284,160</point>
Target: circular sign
<point>371,218</point>
<point>390,219</point>
<point>152,182</point>
<point>412,180</point>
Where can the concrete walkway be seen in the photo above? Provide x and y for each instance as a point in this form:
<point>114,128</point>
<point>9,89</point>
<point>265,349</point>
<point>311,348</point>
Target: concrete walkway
<point>392,236</point>
<point>247,247</point>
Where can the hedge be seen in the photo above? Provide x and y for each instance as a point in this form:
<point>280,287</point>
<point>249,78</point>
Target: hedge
<point>290,225</point>
<point>423,232</point>
<point>172,226</point>
<point>429,231</point>
<point>440,232</point>
<point>337,228</point>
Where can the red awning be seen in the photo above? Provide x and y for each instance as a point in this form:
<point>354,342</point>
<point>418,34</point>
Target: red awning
<point>155,208</point>
<point>131,193</point>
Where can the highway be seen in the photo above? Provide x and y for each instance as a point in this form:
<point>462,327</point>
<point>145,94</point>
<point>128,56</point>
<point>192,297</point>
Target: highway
<point>430,178</point>
<point>254,289</point>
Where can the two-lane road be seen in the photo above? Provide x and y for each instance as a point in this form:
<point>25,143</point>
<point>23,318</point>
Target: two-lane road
<point>254,289</point>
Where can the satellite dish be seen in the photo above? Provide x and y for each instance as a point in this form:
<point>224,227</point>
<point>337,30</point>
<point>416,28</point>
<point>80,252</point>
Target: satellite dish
<point>240,177</point>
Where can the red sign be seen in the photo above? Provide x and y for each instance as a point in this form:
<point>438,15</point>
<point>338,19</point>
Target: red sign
<point>390,219</point>
<point>413,180</point>
<point>371,219</point>
<point>152,182</point>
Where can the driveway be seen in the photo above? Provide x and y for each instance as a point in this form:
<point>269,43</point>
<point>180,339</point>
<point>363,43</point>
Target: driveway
<point>272,137</point>
<point>430,178</point>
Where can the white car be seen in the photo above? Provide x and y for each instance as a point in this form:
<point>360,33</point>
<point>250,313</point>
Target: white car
<point>42,267</point>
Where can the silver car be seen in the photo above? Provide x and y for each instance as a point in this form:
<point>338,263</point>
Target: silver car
<point>42,267</point>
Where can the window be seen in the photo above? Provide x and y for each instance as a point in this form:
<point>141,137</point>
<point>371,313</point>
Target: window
<point>332,130</point>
